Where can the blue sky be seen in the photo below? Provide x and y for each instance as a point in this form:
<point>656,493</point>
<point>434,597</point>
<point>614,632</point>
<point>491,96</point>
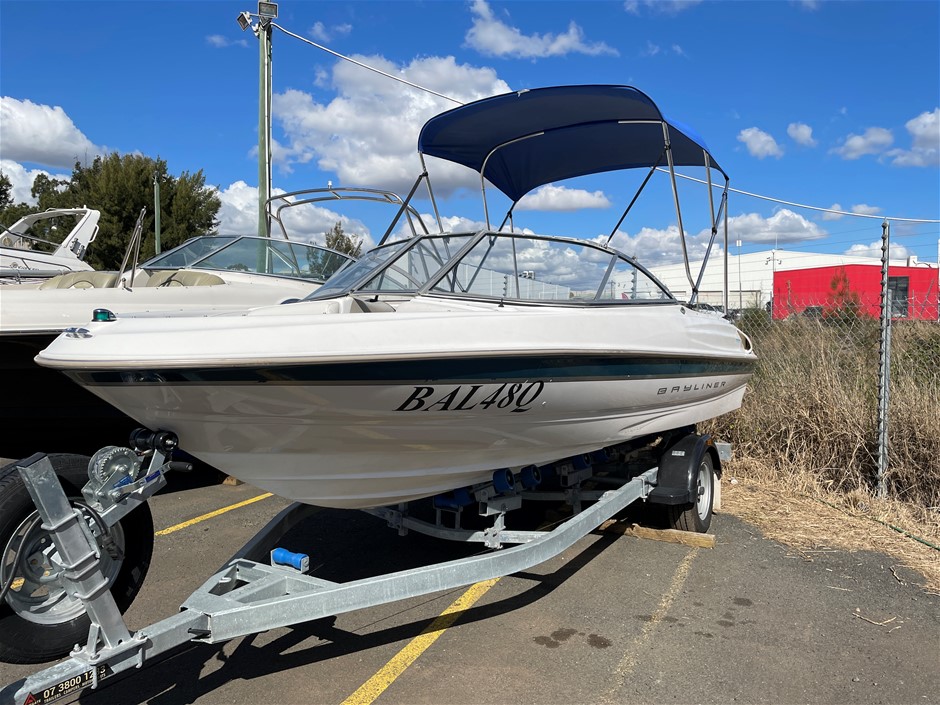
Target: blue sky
<point>828,104</point>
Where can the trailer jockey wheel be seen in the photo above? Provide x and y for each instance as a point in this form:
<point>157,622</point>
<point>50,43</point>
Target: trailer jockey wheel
<point>39,621</point>
<point>697,517</point>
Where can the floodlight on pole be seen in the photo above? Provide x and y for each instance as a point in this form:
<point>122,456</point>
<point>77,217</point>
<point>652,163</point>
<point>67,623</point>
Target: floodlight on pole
<point>244,20</point>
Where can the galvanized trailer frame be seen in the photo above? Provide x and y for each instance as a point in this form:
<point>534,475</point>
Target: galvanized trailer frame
<point>251,594</point>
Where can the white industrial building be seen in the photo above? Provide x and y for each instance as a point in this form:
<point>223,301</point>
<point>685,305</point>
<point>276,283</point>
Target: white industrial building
<point>751,275</point>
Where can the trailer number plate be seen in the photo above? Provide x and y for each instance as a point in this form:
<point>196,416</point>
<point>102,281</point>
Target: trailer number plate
<point>66,687</point>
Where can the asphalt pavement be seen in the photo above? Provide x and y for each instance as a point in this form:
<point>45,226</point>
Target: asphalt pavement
<point>614,619</point>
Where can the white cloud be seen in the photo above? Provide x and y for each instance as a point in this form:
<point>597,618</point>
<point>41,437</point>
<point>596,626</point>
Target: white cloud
<point>220,41</point>
<point>492,37</point>
<point>874,141</point>
<point>783,226</point>
<point>865,209</point>
<point>759,143</point>
<point>239,212</point>
<point>459,224</point>
<point>859,208</point>
<point>651,49</point>
<point>22,179</point>
<point>925,134</point>
<point>367,135</point>
<point>654,247</point>
<point>810,5</point>
<point>874,250</point>
<point>801,133</point>
<point>318,32</point>
<point>307,223</point>
<point>560,198</point>
<point>322,33</point>
<point>41,134</point>
<point>665,7</point>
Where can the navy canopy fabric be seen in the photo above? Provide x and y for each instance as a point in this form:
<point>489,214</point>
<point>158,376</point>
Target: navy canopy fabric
<point>585,130</point>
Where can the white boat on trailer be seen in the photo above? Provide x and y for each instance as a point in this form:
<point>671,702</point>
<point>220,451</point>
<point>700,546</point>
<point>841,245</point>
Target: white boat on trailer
<point>437,359</point>
<point>521,400</point>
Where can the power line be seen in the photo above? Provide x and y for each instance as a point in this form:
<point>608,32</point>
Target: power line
<point>803,205</point>
<point>366,66</point>
<point>683,176</point>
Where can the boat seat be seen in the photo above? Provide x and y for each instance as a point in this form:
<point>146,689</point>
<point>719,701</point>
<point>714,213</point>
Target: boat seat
<point>371,306</point>
<point>81,280</point>
<point>183,277</point>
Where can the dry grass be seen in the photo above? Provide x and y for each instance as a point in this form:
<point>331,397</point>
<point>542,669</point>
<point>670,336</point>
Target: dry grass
<point>810,523</point>
<point>807,433</point>
<point>812,407</point>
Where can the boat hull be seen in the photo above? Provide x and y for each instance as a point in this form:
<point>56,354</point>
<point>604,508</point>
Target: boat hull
<point>338,443</point>
<point>368,409</point>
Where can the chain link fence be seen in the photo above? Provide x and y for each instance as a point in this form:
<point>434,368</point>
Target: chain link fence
<point>813,404</point>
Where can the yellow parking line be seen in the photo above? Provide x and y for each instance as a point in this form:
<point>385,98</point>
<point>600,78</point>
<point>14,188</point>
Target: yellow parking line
<point>628,662</point>
<point>210,515</point>
<point>377,684</point>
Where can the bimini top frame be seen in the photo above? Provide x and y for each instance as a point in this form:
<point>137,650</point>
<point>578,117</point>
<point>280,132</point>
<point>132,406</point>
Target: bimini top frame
<point>278,205</point>
<point>522,140</point>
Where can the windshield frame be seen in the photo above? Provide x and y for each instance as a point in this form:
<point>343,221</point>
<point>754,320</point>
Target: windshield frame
<point>156,263</point>
<point>353,282</point>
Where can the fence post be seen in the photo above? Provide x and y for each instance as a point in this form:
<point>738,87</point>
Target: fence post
<point>884,361</point>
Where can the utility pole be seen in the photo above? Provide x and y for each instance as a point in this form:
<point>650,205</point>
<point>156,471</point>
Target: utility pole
<point>264,122</point>
<point>156,213</point>
<point>267,12</point>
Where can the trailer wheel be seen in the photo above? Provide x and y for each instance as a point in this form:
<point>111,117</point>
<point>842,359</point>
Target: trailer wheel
<point>38,620</point>
<point>697,517</point>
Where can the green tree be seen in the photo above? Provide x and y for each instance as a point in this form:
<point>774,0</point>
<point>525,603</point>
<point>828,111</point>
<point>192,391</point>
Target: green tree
<point>10,212</point>
<point>337,239</point>
<point>120,186</point>
<point>6,191</point>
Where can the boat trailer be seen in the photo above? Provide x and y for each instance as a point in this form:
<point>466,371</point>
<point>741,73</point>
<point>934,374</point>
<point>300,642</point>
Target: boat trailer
<point>260,589</point>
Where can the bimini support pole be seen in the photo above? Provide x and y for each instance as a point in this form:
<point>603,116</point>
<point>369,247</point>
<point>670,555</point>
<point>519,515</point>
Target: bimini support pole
<point>708,252</point>
<point>675,198</point>
<point>508,219</point>
<point>636,196</point>
<point>713,220</point>
<point>424,170</point>
<point>724,207</point>
<point>404,206</point>
<point>486,210</point>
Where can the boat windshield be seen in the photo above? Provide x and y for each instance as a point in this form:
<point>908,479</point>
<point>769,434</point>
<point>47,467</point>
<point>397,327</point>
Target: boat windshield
<point>257,255</point>
<point>505,266</point>
<point>190,251</point>
<point>349,277</point>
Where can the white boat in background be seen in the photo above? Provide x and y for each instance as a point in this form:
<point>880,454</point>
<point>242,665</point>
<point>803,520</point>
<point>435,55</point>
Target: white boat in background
<point>439,358</point>
<point>28,254</point>
<point>205,273</point>
<point>42,411</point>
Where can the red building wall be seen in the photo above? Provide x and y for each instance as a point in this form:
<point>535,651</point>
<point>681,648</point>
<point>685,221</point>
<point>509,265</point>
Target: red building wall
<point>824,290</point>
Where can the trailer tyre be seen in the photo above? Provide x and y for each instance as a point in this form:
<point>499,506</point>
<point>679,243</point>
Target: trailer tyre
<point>697,517</point>
<point>38,620</point>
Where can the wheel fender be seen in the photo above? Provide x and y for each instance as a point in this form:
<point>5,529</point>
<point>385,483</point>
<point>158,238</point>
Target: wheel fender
<point>677,478</point>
